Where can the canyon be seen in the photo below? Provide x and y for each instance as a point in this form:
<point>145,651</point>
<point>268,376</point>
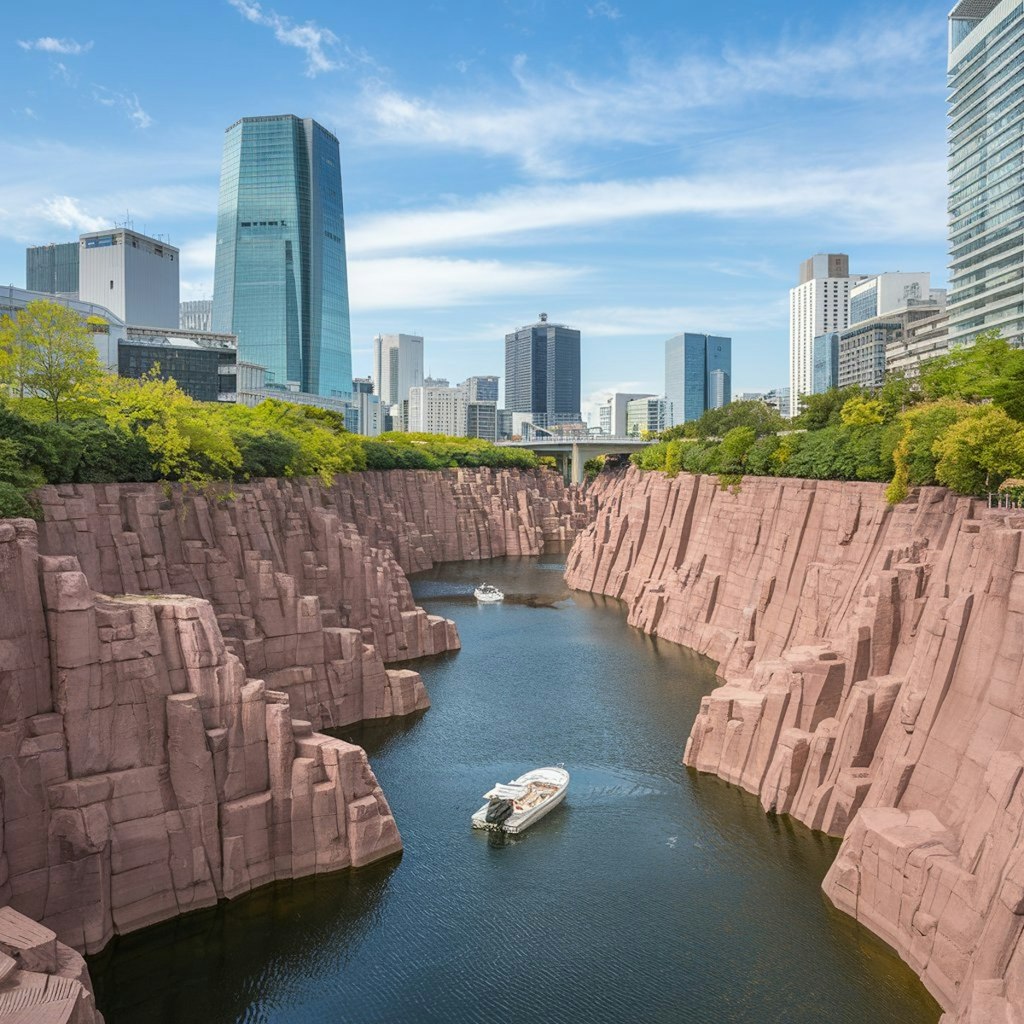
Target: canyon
<point>166,657</point>
<point>872,668</point>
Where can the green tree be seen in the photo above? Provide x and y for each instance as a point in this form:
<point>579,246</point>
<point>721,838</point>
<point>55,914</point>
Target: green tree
<point>825,409</point>
<point>977,453</point>
<point>734,450</point>
<point>47,350</point>
<point>861,411</point>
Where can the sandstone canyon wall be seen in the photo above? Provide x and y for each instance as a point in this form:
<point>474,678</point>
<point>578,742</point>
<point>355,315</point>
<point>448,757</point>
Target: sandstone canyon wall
<point>165,657</point>
<point>873,686</point>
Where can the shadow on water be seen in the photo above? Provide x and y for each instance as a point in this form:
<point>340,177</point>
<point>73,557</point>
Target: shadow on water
<point>652,895</point>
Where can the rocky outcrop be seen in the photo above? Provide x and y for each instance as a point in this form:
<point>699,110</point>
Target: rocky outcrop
<point>873,668</point>
<point>42,981</point>
<point>307,581</point>
<point>165,656</point>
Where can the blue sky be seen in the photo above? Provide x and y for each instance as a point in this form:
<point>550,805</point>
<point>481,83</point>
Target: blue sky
<point>634,169</point>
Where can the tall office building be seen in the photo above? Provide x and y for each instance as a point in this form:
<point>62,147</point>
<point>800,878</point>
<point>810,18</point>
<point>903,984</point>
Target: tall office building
<point>53,269</point>
<point>280,280</point>
<point>986,208</point>
<point>542,375</point>
<point>698,375</point>
<point>397,366</point>
<point>819,304</point>
<point>196,315</point>
<point>480,389</point>
<point>133,275</point>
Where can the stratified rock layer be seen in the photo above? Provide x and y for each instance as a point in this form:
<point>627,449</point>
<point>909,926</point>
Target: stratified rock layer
<point>873,662</point>
<point>165,656</point>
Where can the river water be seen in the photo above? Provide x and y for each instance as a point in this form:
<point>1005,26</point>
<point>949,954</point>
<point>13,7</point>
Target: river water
<point>652,895</point>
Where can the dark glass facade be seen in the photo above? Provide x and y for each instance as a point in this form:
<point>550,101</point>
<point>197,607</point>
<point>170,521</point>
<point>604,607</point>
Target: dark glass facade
<point>281,280</point>
<point>542,373</point>
<point>52,268</point>
<point>197,371</point>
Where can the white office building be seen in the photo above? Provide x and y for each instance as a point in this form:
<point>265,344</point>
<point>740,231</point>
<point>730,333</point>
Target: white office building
<point>136,277</point>
<point>647,415</point>
<point>986,135</point>
<point>611,416</point>
<point>196,315</point>
<point>819,304</point>
<point>437,411</point>
<point>886,293</point>
<point>397,366</point>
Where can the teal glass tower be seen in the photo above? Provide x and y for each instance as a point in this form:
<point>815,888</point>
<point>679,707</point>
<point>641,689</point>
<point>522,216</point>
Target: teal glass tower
<point>281,279</point>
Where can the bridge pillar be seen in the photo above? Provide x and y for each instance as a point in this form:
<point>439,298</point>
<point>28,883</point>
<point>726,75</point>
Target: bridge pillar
<point>578,462</point>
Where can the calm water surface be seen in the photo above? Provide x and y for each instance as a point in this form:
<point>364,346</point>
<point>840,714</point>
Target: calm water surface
<point>652,895</point>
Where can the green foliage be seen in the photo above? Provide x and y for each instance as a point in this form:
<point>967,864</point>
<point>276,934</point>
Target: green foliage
<point>825,409</point>
<point>15,504</point>
<point>977,453</point>
<point>861,411</point>
<point>592,467</point>
<point>734,451</point>
<point>760,418</point>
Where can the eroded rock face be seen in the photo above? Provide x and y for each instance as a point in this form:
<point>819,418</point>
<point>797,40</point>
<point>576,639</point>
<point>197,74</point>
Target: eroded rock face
<point>165,657</point>
<point>873,687</point>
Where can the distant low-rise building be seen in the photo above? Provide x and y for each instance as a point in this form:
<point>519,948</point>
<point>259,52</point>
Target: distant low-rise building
<point>480,389</point>
<point>368,407</point>
<point>201,363</point>
<point>648,415</point>
<point>196,315</point>
<point>611,416</point>
<point>922,340</point>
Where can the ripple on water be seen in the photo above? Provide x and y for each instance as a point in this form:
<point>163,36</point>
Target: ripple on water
<point>652,895</point>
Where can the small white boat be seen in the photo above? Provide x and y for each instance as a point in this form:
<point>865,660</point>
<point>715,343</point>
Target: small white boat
<point>487,594</point>
<point>516,806</point>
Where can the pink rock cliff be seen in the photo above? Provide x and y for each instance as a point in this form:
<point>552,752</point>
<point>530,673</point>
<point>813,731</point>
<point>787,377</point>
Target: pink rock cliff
<point>873,686</point>
<point>164,659</point>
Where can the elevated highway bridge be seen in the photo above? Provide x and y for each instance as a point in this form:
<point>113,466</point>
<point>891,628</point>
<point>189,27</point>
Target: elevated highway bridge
<point>571,451</point>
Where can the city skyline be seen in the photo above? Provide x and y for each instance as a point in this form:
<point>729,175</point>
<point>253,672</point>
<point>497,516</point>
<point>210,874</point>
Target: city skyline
<point>466,209</point>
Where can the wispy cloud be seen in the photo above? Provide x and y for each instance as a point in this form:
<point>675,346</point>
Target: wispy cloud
<point>127,102</point>
<point>551,113</point>
<point>871,202</point>
<point>319,44</point>
<point>603,9</point>
<point>49,44</point>
<point>429,283</point>
<point>68,213</point>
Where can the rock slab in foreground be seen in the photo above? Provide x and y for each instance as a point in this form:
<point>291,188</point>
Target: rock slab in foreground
<point>873,668</point>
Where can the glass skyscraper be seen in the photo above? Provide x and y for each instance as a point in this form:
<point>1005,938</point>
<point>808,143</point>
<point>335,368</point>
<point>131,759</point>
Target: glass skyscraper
<point>698,375</point>
<point>986,156</point>
<point>542,373</point>
<point>281,280</point>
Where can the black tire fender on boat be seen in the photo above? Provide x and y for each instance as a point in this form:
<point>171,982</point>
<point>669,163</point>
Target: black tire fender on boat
<point>498,812</point>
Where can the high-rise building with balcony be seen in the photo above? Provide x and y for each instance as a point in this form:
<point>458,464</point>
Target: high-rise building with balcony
<point>986,205</point>
<point>698,375</point>
<point>281,280</point>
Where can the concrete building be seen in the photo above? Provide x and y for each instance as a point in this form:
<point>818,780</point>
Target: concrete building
<point>397,366</point>
<point>367,404</point>
<point>648,415</point>
<point>863,347</point>
<point>280,279</point>
<point>134,276</point>
<point>52,269</point>
<point>885,293</point>
<point>922,340</point>
<point>611,416</point>
<point>436,382</point>
<point>480,389</point>
<point>482,420</point>
<point>819,304</point>
<point>196,315</point>
<point>698,375</point>
<point>986,203</point>
<point>201,363</point>
<point>825,373</point>
<point>542,375</point>
<point>436,411</point>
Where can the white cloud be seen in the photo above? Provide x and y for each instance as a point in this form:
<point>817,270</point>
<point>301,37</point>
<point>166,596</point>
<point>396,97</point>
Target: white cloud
<point>423,283</point>
<point>317,42</point>
<point>551,112</point>
<point>664,321</point>
<point>48,44</point>
<point>67,212</point>
<point>603,9</point>
<point>128,102</point>
<point>871,202</point>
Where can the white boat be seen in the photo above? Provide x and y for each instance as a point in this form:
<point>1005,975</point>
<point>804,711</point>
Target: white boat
<point>517,805</point>
<point>487,594</point>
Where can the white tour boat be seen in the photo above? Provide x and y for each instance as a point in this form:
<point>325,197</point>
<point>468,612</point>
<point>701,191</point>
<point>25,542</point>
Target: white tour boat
<point>487,594</point>
<point>516,806</point>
